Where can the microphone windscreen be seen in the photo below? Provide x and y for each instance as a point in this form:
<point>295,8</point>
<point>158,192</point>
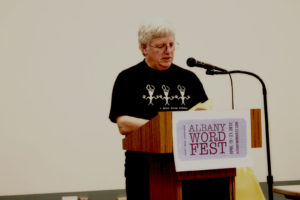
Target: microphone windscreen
<point>191,62</point>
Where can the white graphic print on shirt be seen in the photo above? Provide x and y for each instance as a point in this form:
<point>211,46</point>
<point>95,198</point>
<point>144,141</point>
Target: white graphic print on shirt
<point>165,96</point>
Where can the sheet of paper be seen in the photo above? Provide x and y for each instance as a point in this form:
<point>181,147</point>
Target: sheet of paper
<point>211,139</point>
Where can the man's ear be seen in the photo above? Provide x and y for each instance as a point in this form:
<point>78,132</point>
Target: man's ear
<point>144,49</point>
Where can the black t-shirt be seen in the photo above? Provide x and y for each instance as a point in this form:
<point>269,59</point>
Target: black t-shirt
<point>142,92</point>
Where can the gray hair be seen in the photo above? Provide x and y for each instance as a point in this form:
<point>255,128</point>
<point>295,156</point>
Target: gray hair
<point>154,29</point>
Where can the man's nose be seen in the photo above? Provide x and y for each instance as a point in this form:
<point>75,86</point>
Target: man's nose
<point>168,49</point>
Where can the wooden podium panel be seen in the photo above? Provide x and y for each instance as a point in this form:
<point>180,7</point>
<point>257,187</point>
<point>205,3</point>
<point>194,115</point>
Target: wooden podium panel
<point>155,138</point>
<point>166,183</point>
<point>156,135</point>
<point>162,177</point>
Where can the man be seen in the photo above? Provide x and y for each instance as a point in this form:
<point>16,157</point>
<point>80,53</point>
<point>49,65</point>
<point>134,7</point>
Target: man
<point>153,85</point>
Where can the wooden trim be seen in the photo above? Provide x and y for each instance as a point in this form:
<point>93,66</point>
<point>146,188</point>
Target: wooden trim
<point>232,188</point>
<point>256,136</point>
<point>179,190</point>
<point>206,174</point>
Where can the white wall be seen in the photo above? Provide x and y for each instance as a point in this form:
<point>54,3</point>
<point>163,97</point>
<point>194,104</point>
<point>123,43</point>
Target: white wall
<point>59,60</point>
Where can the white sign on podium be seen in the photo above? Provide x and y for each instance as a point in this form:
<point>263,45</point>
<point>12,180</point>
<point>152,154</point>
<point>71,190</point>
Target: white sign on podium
<point>211,139</point>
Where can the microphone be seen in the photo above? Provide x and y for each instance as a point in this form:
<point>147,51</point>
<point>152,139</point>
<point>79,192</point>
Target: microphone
<point>192,62</point>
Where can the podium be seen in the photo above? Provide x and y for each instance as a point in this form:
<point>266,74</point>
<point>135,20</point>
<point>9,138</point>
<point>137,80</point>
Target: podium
<point>155,138</point>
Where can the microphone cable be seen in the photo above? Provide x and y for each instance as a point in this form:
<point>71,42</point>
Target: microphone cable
<point>232,95</point>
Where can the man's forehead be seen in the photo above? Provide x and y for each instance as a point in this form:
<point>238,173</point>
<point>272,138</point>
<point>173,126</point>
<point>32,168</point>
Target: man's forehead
<point>164,39</point>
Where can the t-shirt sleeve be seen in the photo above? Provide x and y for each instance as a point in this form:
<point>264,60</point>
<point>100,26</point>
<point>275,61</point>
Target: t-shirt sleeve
<point>117,100</point>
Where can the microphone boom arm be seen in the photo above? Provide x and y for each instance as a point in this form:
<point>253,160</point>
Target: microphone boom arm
<point>269,177</point>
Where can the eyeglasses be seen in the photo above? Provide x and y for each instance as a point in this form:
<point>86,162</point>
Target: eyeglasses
<point>164,46</point>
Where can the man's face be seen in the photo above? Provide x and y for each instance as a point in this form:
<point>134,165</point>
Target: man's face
<point>160,52</point>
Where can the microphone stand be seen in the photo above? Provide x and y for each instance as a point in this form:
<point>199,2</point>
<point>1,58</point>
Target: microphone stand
<point>269,177</point>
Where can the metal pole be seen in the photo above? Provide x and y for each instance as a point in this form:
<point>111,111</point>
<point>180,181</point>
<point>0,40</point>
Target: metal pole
<point>269,177</point>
